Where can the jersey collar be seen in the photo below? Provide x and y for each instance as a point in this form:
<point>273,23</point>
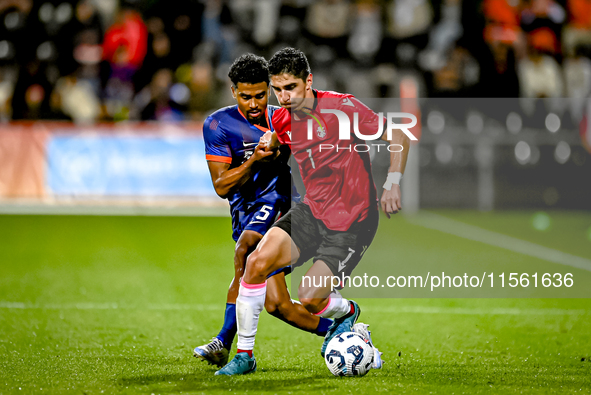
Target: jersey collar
<point>264,129</point>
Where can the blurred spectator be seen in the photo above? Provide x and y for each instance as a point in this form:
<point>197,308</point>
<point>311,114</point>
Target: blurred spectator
<point>578,30</point>
<point>76,99</point>
<point>457,76</point>
<point>125,43</point>
<point>217,29</point>
<point>6,92</point>
<point>124,48</point>
<point>408,18</point>
<point>31,92</point>
<point>539,73</point>
<point>547,16</point>
<point>265,21</point>
<point>366,34</point>
<point>408,22</point>
<point>203,89</point>
<point>442,36</point>
<point>158,106</point>
<point>328,23</point>
<point>577,75</point>
<point>56,54</point>
<point>504,38</point>
<point>577,79</point>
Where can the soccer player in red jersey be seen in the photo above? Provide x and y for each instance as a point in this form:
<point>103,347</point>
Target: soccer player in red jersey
<point>339,216</point>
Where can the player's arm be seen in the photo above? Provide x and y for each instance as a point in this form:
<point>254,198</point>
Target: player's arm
<point>391,197</point>
<point>226,180</point>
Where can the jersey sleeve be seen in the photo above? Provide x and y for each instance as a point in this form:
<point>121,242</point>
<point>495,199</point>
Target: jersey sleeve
<point>369,121</point>
<point>281,125</point>
<point>217,148</point>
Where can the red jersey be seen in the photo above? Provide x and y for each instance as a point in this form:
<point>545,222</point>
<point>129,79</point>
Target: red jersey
<point>336,173</point>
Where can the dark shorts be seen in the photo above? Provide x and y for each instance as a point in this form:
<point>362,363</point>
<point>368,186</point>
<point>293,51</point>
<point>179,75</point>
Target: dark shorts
<point>258,217</point>
<point>341,251</point>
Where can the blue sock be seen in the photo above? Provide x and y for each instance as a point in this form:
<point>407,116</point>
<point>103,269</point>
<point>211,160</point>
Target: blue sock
<point>230,326</point>
<point>323,326</point>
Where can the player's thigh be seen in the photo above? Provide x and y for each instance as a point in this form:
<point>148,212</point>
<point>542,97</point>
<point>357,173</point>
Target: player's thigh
<point>275,251</point>
<point>341,252</point>
<point>304,231</point>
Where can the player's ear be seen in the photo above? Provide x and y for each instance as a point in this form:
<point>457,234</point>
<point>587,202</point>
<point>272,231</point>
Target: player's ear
<point>309,82</point>
<point>233,91</point>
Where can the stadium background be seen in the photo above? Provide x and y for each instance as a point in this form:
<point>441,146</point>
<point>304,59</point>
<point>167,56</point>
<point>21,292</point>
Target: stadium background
<point>116,303</point>
<point>86,67</point>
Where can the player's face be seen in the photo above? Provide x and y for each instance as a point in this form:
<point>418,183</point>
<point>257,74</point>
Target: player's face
<point>252,100</point>
<point>290,90</point>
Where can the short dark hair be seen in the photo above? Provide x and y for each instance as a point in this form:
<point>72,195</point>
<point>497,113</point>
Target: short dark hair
<point>249,68</point>
<point>290,61</point>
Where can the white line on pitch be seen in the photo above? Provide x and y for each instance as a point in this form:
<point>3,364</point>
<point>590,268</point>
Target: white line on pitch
<point>470,232</point>
<point>369,309</point>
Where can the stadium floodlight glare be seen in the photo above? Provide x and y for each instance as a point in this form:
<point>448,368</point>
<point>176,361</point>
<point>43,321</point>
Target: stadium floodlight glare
<point>5,49</point>
<point>514,122</point>
<point>552,122</point>
<point>562,152</point>
<point>12,20</point>
<point>436,122</point>
<point>63,13</point>
<point>475,123</point>
<point>444,153</point>
<point>522,152</point>
<point>46,12</point>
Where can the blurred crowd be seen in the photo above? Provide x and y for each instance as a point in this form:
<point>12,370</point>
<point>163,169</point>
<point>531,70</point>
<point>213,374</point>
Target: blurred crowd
<point>112,60</point>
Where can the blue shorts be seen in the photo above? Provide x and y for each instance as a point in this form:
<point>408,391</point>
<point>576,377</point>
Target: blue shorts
<point>258,217</point>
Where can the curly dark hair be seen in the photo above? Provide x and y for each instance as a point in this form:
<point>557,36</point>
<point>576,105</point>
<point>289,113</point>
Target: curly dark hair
<point>291,61</point>
<point>249,68</point>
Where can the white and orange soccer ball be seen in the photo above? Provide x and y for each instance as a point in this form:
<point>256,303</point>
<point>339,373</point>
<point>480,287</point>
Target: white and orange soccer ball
<point>349,354</point>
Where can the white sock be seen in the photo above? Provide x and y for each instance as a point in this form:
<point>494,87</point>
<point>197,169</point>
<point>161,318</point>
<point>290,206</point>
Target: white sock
<point>337,306</point>
<point>249,304</point>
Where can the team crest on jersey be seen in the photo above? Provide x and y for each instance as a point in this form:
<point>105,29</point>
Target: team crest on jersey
<point>321,132</point>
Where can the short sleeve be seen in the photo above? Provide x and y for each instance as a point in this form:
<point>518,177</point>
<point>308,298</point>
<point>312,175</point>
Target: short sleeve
<point>217,148</point>
<point>369,121</point>
<point>280,125</point>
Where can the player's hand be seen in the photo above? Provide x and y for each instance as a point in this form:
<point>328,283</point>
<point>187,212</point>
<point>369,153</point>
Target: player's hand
<point>266,139</point>
<point>391,201</point>
<point>260,153</point>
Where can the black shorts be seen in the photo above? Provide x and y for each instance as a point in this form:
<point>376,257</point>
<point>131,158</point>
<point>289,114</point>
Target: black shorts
<point>341,251</point>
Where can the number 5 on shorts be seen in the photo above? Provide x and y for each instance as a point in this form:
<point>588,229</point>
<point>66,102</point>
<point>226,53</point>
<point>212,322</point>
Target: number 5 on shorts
<point>265,212</point>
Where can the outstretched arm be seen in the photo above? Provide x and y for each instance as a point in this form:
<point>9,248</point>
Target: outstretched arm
<point>391,197</point>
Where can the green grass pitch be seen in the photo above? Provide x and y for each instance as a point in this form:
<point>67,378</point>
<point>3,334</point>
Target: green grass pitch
<point>92,305</point>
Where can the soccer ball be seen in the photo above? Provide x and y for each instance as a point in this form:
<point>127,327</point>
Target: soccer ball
<point>349,354</point>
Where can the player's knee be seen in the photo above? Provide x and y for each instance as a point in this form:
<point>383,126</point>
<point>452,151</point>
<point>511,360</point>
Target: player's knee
<point>258,263</point>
